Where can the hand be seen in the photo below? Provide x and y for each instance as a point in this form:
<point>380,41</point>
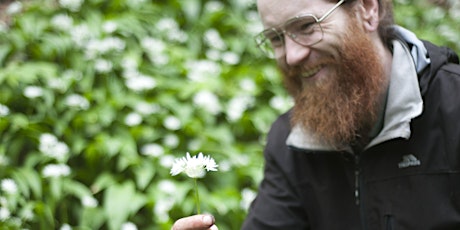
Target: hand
<point>196,222</point>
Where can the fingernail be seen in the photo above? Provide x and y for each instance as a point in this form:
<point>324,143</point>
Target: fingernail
<point>214,227</point>
<point>207,219</point>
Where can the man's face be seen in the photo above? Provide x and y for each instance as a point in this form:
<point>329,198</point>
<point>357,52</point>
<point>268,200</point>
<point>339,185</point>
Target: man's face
<point>338,83</point>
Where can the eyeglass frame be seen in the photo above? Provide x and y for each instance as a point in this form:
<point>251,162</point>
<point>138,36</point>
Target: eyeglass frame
<point>260,38</point>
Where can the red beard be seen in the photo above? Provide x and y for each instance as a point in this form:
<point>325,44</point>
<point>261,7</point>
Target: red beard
<point>341,108</point>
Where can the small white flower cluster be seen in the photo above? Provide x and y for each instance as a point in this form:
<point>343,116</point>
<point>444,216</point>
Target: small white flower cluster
<point>156,50</point>
<point>50,146</point>
<point>134,79</point>
<point>33,92</point>
<point>4,110</point>
<point>172,30</point>
<point>9,186</point>
<point>56,170</point>
<point>72,5</point>
<point>172,123</point>
<point>194,167</point>
<point>238,105</point>
<point>89,202</point>
<point>203,70</point>
<point>77,101</point>
<point>208,101</point>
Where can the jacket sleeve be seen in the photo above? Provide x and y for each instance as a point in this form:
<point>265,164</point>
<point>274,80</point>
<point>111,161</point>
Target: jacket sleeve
<point>277,205</point>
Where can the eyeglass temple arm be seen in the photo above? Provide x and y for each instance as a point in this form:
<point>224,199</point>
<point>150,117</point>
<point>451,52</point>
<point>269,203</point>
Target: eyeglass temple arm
<point>331,10</point>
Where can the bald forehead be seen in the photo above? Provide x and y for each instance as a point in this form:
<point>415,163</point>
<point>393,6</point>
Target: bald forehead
<point>273,12</point>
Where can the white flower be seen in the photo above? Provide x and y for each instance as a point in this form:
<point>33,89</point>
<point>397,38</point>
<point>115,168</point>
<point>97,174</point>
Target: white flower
<point>14,8</point>
<point>128,226</point>
<point>202,70</point>
<point>62,22</point>
<point>133,119</point>
<point>109,27</point>
<point>167,161</point>
<point>72,5</point>
<point>4,160</point>
<point>89,201</point>
<point>171,140</point>
<point>214,39</point>
<point>172,123</point>
<point>9,186</point>
<point>194,167</point>
<point>162,208</point>
<point>140,83</point>
<point>51,147</point>
<point>33,91</point>
<point>65,227</point>
<point>208,101</point>
<point>77,101</point>
<point>56,170</point>
<point>4,110</point>
<point>103,66</point>
<point>5,214</point>
<point>145,108</point>
<point>237,106</point>
<point>280,103</point>
<point>247,196</point>
<point>231,58</point>
<point>167,187</point>
<point>154,150</point>
<point>248,85</point>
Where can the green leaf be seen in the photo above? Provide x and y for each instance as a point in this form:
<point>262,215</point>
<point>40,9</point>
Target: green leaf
<point>120,202</point>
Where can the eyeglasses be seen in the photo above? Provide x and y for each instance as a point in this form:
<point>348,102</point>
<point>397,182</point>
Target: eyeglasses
<point>304,29</point>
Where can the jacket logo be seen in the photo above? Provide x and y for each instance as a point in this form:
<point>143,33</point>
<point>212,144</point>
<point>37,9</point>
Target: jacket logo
<point>408,161</point>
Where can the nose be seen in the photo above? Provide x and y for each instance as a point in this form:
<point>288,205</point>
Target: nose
<point>295,53</point>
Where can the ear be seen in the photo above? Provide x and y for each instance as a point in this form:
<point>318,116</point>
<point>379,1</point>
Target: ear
<point>369,13</point>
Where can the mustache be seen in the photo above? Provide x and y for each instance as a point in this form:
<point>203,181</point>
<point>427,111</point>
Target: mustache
<point>303,70</point>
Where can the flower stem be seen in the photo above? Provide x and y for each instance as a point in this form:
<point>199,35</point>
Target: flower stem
<point>197,197</point>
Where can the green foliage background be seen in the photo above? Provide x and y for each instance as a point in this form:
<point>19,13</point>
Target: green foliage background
<point>98,97</point>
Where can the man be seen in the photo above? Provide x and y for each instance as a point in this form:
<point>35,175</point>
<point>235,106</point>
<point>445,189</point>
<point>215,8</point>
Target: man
<point>373,141</point>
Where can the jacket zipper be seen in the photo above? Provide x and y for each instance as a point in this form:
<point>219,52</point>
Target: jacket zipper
<point>357,180</point>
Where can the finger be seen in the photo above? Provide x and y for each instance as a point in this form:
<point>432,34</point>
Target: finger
<point>194,222</point>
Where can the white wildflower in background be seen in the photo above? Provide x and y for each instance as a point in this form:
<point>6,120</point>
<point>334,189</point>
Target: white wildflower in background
<point>14,8</point>
<point>248,85</point>
<point>62,22</point>
<point>4,110</point>
<point>162,208</point>
<point>5,214</point>
<point>50,146</point>
<point>172,123</point>
<point>247,196</point>
<point>9,186</point>
<point>129,63</point>
<point>146,108</point>
<point>103,65</point>
<point>238,105</point>
<point>133,119</point>
<point>280,103</point>
<point>167,186</point>
<point>72,5</point>
<point>194,167</point>
<point>33,92</point>
<point>80,35</point>
<point>214,6</point>
<point>202,70</point>
<point>56,170</point>
<point>77,101</point>
<point>128,226</point>
<point>171,140</point>
<point>208,101</point>
<point>153,150</point>
<point>65,227</point>
<point>140,83</point>
<point>213,38</point>
<point>231,58</point>
<point>172,30</point>
<point>167,161</point>
<point>109,27</point>
<point>195,144</point>
<point>4,160</point>
<point>89,202</point>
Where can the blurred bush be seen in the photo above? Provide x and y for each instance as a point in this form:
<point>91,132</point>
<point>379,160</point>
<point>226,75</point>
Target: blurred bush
<point>97,99</point>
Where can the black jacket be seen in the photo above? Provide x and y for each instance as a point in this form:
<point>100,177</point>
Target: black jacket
<point>409,184</point>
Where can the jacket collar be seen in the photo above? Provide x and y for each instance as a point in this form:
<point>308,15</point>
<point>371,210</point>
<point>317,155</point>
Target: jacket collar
<point>404,103</point>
